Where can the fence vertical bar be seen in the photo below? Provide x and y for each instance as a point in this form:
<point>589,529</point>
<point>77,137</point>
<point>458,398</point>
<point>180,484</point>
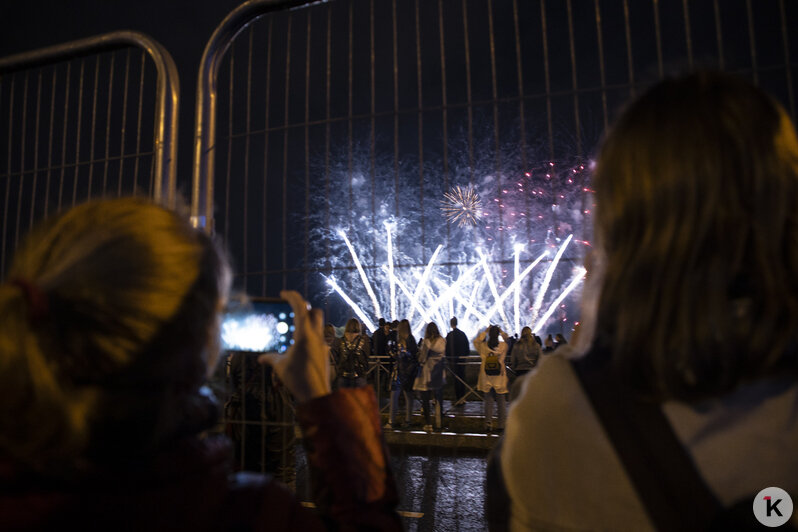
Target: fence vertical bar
<point>574,79</point>
<point>77,134</point>
<point>285,149</point>
<point>496,140</point>
<point>687,33</point>
<point>752,41</point>
<point>247,139</point>
<point>266,150</point>
<point>50,145</point>
<point>629,56</point>
<point>469,101</point>
<point>35,150</point>
<point>602,66</point>
<point>658,35</point>
<point>108,123</point>
<point>787,65</point>
<point>306,286</point>
<point>547,77</point>
<point>420,132</point>
<point>124,124</point>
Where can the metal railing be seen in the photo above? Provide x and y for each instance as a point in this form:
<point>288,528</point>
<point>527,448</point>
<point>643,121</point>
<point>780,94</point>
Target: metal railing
<point>76,122</point>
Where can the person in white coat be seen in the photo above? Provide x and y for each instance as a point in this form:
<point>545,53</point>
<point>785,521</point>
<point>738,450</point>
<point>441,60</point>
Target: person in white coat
<point>493,381</point>
<point>431,377</point>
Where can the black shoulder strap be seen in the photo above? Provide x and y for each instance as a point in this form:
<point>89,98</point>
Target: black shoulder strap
<point>661,470</point>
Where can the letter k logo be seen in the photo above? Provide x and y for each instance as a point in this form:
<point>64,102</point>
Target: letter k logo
<point>772,506</point>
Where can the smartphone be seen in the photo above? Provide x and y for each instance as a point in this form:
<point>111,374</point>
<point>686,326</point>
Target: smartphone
<point>258,325</point>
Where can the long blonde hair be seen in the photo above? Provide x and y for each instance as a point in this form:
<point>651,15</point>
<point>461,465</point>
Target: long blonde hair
<point>116,358</point>
<point>697,238</point>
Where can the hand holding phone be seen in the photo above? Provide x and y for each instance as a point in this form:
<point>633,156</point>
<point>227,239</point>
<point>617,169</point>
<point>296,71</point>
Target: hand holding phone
<point>305,367</point>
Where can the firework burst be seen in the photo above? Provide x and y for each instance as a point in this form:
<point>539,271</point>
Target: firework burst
<point>461,206</point>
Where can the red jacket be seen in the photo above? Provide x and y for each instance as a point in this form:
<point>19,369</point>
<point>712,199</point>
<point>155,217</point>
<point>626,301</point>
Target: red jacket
<point>189,484</point>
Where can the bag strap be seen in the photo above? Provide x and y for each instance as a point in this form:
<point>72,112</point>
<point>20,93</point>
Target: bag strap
<point>661,470</point>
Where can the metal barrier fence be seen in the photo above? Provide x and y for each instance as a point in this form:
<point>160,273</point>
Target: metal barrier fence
<point>330,133</point>
<point>317,125</point>
<point>90,118</point>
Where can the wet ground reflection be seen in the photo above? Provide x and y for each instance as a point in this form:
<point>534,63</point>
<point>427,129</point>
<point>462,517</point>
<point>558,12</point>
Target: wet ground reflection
<point>441,493</point>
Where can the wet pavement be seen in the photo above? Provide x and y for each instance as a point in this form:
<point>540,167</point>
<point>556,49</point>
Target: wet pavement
<point>440,475</point>
<point>441,493</point>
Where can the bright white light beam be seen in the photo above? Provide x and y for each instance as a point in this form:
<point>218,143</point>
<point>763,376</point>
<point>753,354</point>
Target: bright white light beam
<point>517,296</point>
<point>449,293</point>
<point>468,305</point>
<point>494,291</point>
<point>413,301</point>
<point>355,306</point>
<point>362,274</point>
<point>573,284</point>
<point>390,272</point>
<point>547,279</point>
<point>423,282</point>
<point>500,300</point>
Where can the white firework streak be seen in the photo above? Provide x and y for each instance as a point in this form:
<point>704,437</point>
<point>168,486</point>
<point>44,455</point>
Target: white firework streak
<point>413,301</point>
<point>580,275</point>
<point>449,293</point>
<point>493,290</point>
<point>471,299</point>
<point>355,306</point>
<point>468,305</point>
<point>499,300</point>
<point>421,284</point>
<point>390,272</point>
<point>362,274</point>
<point>547,279</point>
<point>517,295</point>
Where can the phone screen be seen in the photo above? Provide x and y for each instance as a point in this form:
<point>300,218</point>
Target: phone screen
<point>258,325</point>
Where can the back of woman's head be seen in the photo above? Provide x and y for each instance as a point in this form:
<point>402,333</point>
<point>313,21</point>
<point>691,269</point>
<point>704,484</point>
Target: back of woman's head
<point>697,236</point>
<point>526,335</point>
<point>432,331</point>
<point>493,336</point>
<point>403,330</point>
<point>108,316</point>
<point>352,326</point>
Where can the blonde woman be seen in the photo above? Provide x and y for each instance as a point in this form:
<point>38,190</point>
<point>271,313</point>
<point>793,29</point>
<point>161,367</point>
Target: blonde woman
<point>110,325</point>
<point>492,382</point>
<point>431,376</point>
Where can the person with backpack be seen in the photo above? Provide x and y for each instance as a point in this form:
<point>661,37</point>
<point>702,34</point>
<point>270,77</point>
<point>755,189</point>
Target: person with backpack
<point>492,379</point>
<point>405,367</point>
<point>351,353</point>
<point>675,406</point>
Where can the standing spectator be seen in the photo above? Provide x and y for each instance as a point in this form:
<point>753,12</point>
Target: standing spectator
<point>493,374</point>
<point>351,354</point>
<point>525,353</point>
<point>405,369</point>
<point>559,341</point>
<point>457,347</point>
<point>329,338</point>
<point>548,345</point>
<point>431,378</point>
<point>682,405</point>
<point>379,353</point>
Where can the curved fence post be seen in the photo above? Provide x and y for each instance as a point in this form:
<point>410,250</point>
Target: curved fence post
<point>205,115</point>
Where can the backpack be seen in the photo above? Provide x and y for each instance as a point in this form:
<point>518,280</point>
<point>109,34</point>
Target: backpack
<point>492,365</point>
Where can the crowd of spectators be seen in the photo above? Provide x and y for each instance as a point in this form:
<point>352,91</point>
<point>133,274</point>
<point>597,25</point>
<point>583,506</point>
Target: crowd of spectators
<point>671,409</point>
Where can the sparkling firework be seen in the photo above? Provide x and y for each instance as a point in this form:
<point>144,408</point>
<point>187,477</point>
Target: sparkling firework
<point>461,206</point>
